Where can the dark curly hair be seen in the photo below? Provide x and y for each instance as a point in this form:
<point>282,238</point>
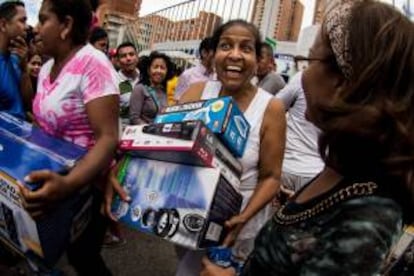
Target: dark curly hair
<point>367,129</point>
<point>145,64</point>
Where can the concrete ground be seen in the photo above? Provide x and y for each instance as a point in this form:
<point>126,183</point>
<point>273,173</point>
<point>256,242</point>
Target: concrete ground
<point>142,255</point>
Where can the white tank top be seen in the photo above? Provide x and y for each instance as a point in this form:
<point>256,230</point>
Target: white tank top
<point>250,160</point>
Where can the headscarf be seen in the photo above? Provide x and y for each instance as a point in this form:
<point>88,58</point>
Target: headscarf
<point>336,26</point>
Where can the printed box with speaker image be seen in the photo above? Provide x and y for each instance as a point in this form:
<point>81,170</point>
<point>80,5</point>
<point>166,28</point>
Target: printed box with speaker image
<point>189,142</point>
<point>25,148</point>
<point>220,115</point>
<point>186,205</point>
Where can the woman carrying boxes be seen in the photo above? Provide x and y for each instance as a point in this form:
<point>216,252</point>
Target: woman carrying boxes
<point>75,86</point>
<point>236,46</point>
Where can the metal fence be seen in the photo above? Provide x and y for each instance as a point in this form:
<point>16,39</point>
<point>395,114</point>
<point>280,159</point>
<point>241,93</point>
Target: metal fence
<point>181,27</point>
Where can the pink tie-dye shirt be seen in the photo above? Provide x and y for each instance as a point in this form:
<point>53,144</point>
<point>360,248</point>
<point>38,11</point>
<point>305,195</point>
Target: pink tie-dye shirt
<point>60,106</point>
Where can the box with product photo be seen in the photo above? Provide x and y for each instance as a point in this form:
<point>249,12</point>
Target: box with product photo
<point>189,142</point>
<point>186,205</point>
<point>25,148</point>
<point>220,115</point>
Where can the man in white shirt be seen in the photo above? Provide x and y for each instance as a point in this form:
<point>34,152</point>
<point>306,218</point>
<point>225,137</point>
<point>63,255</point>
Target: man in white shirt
<point>302,160</point>
<point>199,73</point>
<point>128,73</point>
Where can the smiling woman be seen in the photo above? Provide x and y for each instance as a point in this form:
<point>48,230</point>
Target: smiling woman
<point>236,47</point>
<point>149,95</point>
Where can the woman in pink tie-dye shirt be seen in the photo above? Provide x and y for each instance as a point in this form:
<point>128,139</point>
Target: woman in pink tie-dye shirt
<point>77,100</point>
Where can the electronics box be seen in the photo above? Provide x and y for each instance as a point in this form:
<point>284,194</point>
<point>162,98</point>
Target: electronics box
<point>189,142</point>
<point>186,205</point>
<point>25,148</point>
<point>221,115</point>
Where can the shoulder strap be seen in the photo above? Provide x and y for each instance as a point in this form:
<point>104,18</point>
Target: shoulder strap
<point>256,109</point>
<point>153,94</point>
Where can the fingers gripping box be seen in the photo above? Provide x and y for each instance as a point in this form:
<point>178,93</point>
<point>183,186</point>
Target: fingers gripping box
<point>23,149</point>
<point>183,204</point>
<point>220,115</point>
<point>189,142</point>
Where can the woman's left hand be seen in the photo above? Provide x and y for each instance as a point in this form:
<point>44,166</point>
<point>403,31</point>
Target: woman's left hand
<point>234,225</point>
<point>112,186</point>
<point>53,189</point>
<point>210,269</point>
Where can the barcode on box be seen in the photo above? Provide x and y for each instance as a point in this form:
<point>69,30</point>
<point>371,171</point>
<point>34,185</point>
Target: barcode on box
<point>213,232</point>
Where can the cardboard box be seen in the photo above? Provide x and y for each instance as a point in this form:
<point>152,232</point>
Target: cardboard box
<point>190,143</point>
<point>23,149</point>
<point>221,115</point>
<point>186,205</point>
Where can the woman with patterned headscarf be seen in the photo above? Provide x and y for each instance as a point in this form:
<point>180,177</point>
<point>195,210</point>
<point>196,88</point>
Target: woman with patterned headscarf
<point>359,89</point>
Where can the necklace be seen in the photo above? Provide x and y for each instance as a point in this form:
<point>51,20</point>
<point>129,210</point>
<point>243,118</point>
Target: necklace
<point>352,191</point>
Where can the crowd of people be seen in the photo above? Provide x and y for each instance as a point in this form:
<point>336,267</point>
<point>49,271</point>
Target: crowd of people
<point>328,171</point>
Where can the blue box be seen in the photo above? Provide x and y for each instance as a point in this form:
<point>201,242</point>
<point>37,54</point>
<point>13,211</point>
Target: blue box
<point>220,115</point>
<point>183,204</point>
<point>23,149</point>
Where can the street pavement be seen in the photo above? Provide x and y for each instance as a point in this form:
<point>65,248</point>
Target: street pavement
<point>142,255</point>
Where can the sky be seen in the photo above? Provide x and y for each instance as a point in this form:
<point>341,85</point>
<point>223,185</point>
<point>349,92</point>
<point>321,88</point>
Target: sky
<point>32,9</point>
<point>149,6</point>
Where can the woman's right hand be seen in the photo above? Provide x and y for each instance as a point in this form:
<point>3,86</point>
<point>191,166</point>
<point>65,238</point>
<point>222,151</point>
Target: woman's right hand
<point>234,226</point>
<point>111,186</point>
<point>54,188</point>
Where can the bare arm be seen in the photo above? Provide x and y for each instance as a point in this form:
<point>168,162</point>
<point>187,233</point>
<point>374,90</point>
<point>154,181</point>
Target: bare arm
<point>105,129</point>
<point>27,90</point>
<point>56,187</point>
<point>272,147</point>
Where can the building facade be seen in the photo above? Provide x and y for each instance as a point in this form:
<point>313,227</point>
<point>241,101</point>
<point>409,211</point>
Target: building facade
<point>113,15</point>
<point>289,20</point>
<point>156,29</point>
<point>279,19</point>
